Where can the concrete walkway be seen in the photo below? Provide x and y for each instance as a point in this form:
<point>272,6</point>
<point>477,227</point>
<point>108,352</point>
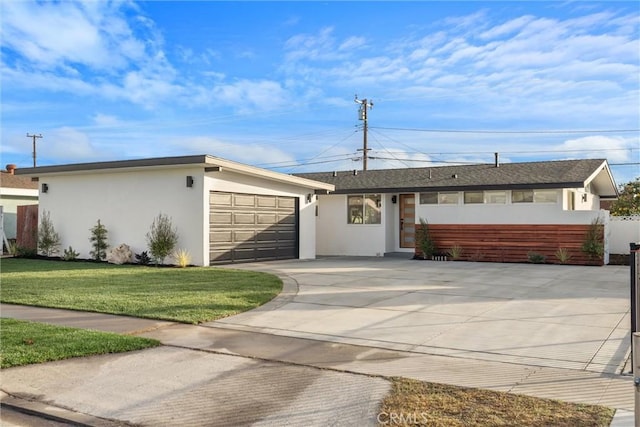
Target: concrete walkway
<point>240,371</point>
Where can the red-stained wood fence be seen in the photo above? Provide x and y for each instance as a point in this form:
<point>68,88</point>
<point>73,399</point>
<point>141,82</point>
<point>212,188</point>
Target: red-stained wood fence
<point>513,242</point>
<point>27,227</point>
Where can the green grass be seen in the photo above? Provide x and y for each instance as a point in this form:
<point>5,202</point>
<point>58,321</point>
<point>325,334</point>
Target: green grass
<point>190,295</point>
<point>25,343</point>
<point>416,403</point>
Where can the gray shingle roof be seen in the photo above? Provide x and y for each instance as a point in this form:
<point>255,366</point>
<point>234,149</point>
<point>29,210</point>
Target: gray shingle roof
<point>548,174</point>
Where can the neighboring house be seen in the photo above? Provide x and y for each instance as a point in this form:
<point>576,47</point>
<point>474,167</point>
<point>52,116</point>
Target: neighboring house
<point>15,191</point>
<point>493,212</point>
<point>223,211</point>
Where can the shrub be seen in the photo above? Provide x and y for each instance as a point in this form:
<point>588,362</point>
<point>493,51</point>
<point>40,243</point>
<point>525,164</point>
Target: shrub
<point>99,242</point>
<point>12,247</point>
<point>23,252</point>
<point>536,258</point>
<point>143,258</point>
<point>70,254</point>
<point>48,239</point>
<point>162,238</point>
<point>455,252</point>
<point>424,241</point>
<point>593,244</point>
<point>563,255</point>
<point>182,257</point>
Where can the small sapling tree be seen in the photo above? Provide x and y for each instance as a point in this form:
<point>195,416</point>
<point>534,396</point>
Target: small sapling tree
<point>162,238</point>
<point>48,238</point>
<point>99,241</point>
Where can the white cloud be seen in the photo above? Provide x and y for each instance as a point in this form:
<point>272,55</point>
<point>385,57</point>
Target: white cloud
<point>248,95</point>
<point>614,149</point>
<point>68,145</point>
<point>106,120</point>
<point>249,153</point>
<point>48,34</point>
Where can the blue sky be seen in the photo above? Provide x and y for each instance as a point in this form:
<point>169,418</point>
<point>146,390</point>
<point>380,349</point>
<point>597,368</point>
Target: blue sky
<point>272,84</point>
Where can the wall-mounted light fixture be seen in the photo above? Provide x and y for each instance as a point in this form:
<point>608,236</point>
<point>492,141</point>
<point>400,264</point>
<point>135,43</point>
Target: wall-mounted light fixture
<point>584,197</point>
<point>189,181</point>
<point>394,199</point>
<point>45,188</point>
<point>309,197</point>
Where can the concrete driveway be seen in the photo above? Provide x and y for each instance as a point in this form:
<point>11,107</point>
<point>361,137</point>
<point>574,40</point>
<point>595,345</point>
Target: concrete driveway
<point>571,317</point>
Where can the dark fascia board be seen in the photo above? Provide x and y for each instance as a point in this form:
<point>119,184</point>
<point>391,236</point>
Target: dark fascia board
<point>117,164</point>
<point>540,186</point>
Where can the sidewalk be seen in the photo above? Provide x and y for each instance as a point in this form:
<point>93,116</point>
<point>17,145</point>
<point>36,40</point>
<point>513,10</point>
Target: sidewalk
<point>199,361</point>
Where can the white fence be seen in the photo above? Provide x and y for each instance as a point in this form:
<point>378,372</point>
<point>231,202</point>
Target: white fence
<point>622,231</point>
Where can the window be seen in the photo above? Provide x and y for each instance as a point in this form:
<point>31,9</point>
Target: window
<point>473,197</point>
<point>364,209</point>
<point>545,196</point>
<point>448,198</point>
<point>534,196</point>
<point>495,197</point>
<point>428,198</point>
<point>522,196</point>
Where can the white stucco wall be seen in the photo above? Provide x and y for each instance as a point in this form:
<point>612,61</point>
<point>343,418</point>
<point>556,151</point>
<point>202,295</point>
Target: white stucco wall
<point>126,202</point>
<point>623,230</point>
<point>336,237</point>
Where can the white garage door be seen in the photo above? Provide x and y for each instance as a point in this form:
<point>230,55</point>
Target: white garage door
<point>252,227</point>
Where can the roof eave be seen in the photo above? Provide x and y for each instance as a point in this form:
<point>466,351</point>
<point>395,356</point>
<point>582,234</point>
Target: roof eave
<point>181,161</point>
<point>542,186</point>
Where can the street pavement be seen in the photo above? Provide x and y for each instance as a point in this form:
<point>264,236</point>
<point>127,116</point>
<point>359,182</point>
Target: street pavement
<point>319,353</point>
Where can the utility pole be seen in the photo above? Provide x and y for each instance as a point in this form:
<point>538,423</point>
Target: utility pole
<point>362,115</point>
<point>34,136</point>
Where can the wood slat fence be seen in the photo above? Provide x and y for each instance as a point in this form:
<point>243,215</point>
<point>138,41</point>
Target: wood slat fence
<point>512,242</point>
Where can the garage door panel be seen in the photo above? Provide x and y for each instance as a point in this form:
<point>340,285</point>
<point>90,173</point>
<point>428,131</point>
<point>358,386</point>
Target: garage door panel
<point>246,227</point>
<point>221,236</point>
<point>266,201</point>
<point>287,203</point>
<point>244,218</point>
<point>244,200</point>
<point>286,219</point>
<point>241,236</point>
<point>270,218</point>
<point>220,199</point>
<point>267,236</point>
<point>220,218</point>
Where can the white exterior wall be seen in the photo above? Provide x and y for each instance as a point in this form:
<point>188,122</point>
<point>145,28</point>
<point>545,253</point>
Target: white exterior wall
<point>623,230</point>
<point>126,202</point>
<point>10,199</point>
<point>236,183</point>
<point>336,237</point>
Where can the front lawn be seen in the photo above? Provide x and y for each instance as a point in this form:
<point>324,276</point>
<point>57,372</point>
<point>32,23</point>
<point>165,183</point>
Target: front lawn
<point>24,343</point>
<point>190,295</point>
<point>417,403</point>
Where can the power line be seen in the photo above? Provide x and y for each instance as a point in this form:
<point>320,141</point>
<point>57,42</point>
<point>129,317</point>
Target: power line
<point>510,131</point>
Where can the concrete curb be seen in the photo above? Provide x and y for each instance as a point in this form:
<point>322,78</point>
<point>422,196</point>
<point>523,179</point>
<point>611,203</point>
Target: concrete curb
<point>54,413</point>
